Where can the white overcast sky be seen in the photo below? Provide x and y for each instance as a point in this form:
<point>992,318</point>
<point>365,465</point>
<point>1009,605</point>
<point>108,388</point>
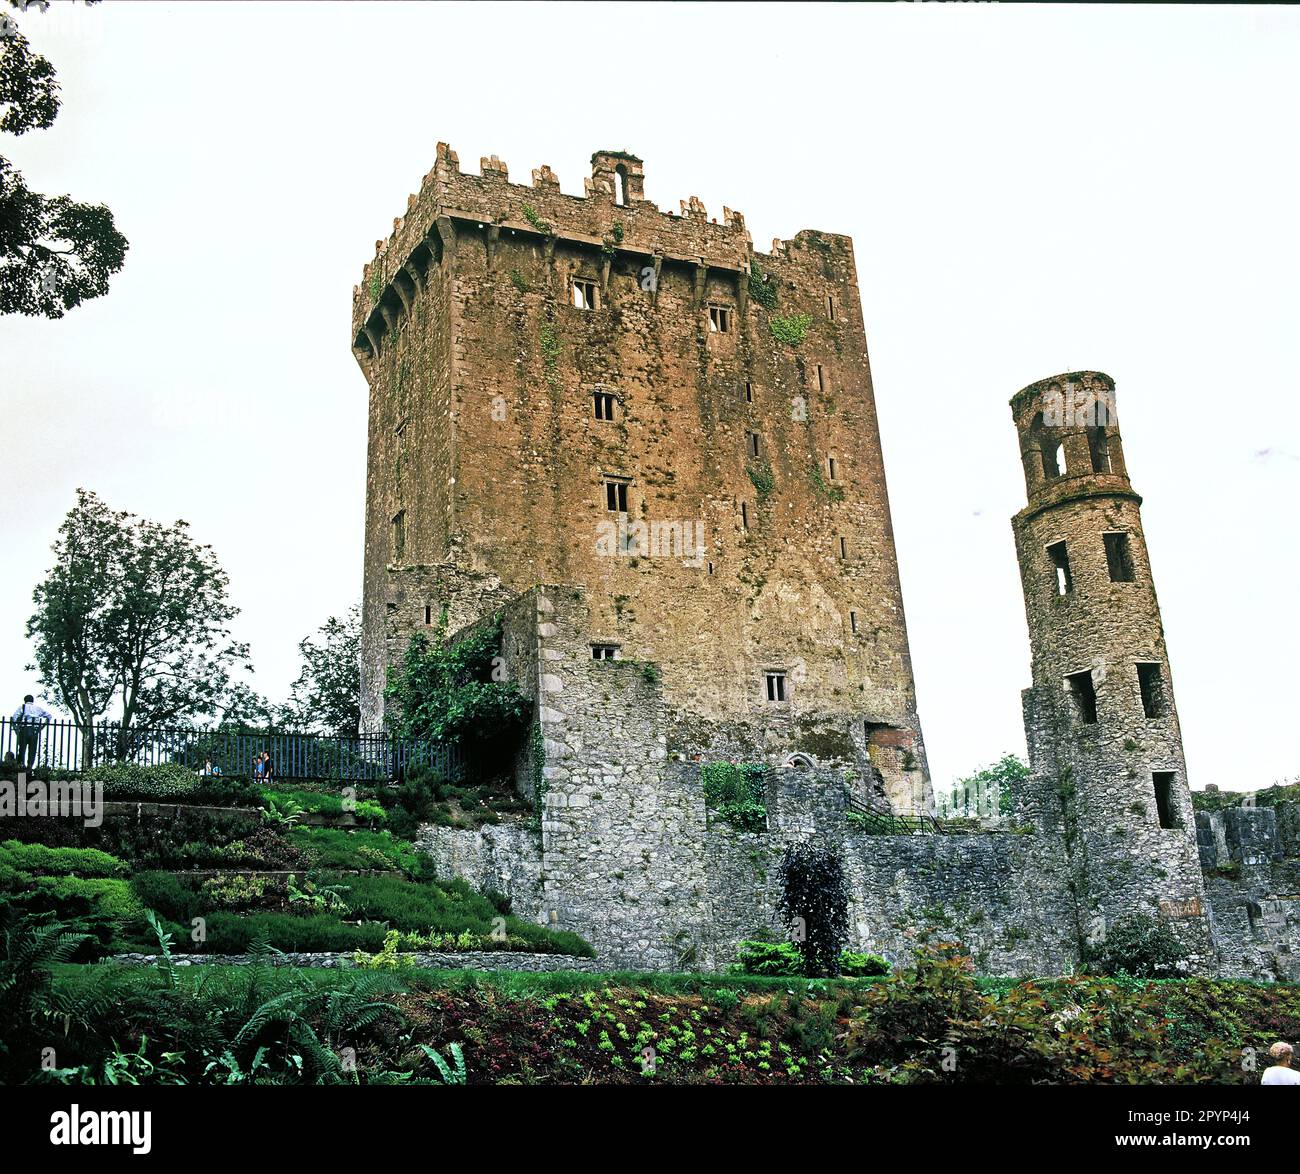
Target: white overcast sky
<point>1029,189</point>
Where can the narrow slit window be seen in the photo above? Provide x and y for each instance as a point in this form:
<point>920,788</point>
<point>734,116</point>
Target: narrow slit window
<point>399,534</point>
<point>821,378</point>
<point>752,443</point>
<point>749,393</point>
<point>1166,805</point>
<point>604,652</point>
<point>853,621</point>
<point>1084,695</point>
<point>775,685</point>
<point>744,515</point>
<point>831,470</point>
<point>1099,450</point>
<point>844,548</point>
<point>428,615</point>
<point>1119,557</point>
<point>719,320</point>
<point>584,294</point>
<point>830,307</point>
<point>1151,687</point>
<point>620,185</point>
<point>616,496</point>
<point>604,404</point>
<point>1061,568</point>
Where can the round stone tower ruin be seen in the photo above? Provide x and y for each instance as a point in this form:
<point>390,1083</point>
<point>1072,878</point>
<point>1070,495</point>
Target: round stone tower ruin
<point>1104,742</point>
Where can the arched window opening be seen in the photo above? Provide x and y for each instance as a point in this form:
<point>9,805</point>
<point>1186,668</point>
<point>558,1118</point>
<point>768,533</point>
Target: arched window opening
<point>620,185</point>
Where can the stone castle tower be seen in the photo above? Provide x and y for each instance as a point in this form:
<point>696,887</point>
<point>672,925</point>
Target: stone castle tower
<point>1101,724</point>
<point>593,393</point>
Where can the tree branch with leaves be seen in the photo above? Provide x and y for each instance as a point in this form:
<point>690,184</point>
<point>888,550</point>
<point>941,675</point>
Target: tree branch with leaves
<point>55,252</point>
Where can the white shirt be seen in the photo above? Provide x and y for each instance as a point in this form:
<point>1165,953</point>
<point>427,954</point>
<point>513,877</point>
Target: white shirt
<point>1279,1075</point>
<point>29,710</point>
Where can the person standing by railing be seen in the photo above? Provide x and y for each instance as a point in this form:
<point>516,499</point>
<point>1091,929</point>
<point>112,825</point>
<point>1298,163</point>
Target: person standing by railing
<point>29,720</point>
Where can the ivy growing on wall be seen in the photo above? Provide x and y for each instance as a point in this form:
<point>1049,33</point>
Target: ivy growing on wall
<point>530,214</point>
<point>737,793</point>
<point>829,492</point>
<point>791,329</point>
<point>762,287</point>
<point>760,474</point>
<point>452,693</point>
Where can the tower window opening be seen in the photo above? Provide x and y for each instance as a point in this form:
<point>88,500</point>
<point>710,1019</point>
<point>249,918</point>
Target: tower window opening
<point>844,548</point>
<point>1061,567</point>
<point>1053,459</point>
<point>428,615</point>
<point>584,294</point>
<point>399,534</point>
<point>620,185</point>
<point>719,320</point>
<point>1119,557</point>
<point>604,652</point>
<point>752,443</point>
<point>616,496</point>
<point>1099,450</point>
<point>830,468</point>
<point>1166,806</point>
<point>604,404</point>
<point>749,393</point>
<point>853,621</point>
<point>744,515</point>
<point>830,307</point>
<point>775,684</point>
<point>1151,686</point>
<point>1084,695</point>
<point>821,378</point>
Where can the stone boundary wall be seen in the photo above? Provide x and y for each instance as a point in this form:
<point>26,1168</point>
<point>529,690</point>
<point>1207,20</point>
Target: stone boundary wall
<point>475,960</point>
<point>1251,858</point>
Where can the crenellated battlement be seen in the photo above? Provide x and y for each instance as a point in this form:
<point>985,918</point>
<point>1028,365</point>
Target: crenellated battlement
<point>612,217</point>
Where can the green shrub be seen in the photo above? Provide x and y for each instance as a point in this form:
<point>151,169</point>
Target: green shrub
<point>167,895</point>
<point>855,965</point>
<point>171,782</point>
<point>127,780</point>
<point>768,958</point>
<point>37,858</point>
<point>109,894</point>
<point>335,848</point>
<point>1141,946</point>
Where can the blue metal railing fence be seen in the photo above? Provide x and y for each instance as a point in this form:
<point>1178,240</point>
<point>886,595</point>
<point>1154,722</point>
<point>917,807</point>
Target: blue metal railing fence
<point>66,746</point>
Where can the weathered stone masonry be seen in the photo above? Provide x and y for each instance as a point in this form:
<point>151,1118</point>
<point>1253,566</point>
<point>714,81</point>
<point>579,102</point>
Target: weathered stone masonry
<point>541,366</point>
<point>753,464</point>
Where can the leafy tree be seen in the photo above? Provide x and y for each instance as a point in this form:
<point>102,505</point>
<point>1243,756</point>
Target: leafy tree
<point>136,614</point>
<point>456,693</point>
<point>988,791</point>
<point>55,252</point>
<point>816,901</point>
<point>327,694</point>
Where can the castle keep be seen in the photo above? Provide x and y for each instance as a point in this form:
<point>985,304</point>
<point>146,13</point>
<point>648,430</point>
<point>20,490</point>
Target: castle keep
<point>654,453</point>
<point>592,393</point>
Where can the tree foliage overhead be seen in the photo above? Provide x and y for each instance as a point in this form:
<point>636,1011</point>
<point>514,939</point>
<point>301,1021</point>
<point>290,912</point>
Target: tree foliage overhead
<point>55,252</point>
<point>326,697</point>
<point>133,615</point>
